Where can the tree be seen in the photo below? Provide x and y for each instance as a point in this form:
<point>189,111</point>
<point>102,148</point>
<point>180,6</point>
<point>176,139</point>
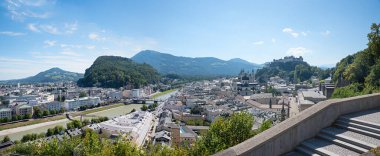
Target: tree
<point>86,122</point>
<point>6,139</point>
<point>82,94</point>
<point>37,113</point>
<point>133,110</point>
<point>46,113</point>
<point>58,129</point>
<point>50,132</point>
<point>144,108</point>
<point>227,132</point>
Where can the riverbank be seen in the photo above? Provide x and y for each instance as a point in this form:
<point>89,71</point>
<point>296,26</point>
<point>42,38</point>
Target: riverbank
<point>58,117</point>
<point>162,93</point>
<point>110,112</point>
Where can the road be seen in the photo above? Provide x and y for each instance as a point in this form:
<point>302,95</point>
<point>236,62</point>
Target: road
<point>19,132</point>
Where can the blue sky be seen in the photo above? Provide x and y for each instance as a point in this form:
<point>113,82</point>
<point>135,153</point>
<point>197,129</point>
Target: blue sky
<point>36,35</point>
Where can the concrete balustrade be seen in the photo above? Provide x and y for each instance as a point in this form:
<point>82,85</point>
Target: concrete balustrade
<point>287,135</point>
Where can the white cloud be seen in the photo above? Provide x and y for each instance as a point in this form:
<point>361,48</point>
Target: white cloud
<point>293,33</point>
<point>95,36</point>
<point>50,43</point>
<point>326,33</point>
<point>273,40</point>
<point>49,29</point>
<point>71,27</point>
<point>10,33</point>
<point>33,27</point>
<point>68,28</point>
<point>258,43</point>
<point>298,51</point>
<point>19,10</point>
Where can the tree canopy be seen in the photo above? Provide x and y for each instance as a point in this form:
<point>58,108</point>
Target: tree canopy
<point>361,70</point>
<point>115,72</point>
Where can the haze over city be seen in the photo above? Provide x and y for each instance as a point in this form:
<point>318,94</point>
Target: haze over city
<point>40,34</point>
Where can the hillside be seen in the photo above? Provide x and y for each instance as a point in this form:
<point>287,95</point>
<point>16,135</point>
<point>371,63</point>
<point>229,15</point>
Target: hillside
<point>360,73</point>
<point>51,75</point>
<point>187,66</point>
<point>115,72</point>
<point>292,69</point>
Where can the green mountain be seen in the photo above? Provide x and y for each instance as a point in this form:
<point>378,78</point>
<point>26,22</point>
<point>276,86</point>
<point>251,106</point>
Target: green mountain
<point>116,71</point>
<point>187,66</point>
<point>51,75</point>
<point>291,69</point>
<point>360,73</point>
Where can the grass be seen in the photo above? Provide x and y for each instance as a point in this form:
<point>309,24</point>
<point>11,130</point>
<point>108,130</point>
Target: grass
<point>163,93</point>
<point>58,117</point>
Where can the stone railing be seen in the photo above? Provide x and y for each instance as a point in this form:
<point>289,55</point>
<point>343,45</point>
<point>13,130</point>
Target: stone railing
<point>285,136</point>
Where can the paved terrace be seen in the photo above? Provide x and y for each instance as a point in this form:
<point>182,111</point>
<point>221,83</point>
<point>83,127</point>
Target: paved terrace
<point>301,130</point>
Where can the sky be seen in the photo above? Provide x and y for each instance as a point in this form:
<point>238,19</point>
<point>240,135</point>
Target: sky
<point>36,35</point>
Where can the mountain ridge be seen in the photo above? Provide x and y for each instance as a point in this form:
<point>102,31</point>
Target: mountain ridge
<point>54,74</point>
<point>192,66</point>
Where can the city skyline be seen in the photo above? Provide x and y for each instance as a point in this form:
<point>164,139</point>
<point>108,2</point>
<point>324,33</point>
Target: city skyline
<point>38,35</point>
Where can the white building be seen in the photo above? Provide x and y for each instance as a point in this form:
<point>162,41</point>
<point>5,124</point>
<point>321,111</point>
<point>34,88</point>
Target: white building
<point>136,93</point>
<point>55,105</point>
<point>86,101</point>
<point>136,125</point>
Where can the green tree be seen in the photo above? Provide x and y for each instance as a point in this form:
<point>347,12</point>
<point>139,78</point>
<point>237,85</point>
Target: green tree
<point>46,113</point>
<point>37,113</point>
<point>5,139</point>
<point>144,108</point>
<point>82,94</point>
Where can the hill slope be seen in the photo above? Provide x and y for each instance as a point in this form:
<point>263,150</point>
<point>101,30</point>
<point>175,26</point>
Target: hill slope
<point>359,73</point>
<point>51,75</point>
<point>291,69</point>
<point>116,71</point>
<point>201,66</point>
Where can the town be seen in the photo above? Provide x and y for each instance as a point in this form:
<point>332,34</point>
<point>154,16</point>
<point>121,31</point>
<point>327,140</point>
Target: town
<point>189,78</point>
<point>180,116</point>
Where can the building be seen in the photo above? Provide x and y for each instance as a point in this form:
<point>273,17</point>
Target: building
<point>55,105</point>
<point>182,135</point>
<point>24,110</point>
<point>74,104</point>
<point>289,59</point>
<point>135,125</point>
<point>264,98</point>
<point>246,84</point>
<point>309,97</point>
<point>6,113</point>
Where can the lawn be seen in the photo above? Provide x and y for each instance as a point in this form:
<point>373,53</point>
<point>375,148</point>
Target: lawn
<point>163,93</point>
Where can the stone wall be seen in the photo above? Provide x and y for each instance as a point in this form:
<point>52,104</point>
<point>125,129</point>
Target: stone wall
<point>285,136</point>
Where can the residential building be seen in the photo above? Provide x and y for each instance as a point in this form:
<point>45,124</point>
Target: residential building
<point>24,110</point>
<point>86,101</point>
<point>6,113</point>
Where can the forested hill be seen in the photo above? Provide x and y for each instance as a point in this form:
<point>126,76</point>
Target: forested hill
<point>292,69</point>
<point>115,72</point>
<point>187,66</point>
<point>361,71</point>
<point>49,76</point>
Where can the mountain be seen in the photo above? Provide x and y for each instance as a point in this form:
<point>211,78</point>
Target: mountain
<point>200,66</point>
<point>51,75</point>
<point>292,69</point>
<point>116,71</point>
